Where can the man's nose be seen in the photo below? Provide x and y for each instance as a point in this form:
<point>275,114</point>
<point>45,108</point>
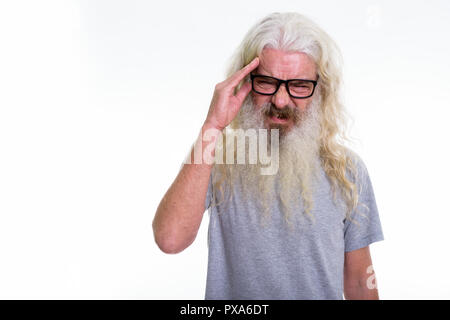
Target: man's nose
<point>281,98</point>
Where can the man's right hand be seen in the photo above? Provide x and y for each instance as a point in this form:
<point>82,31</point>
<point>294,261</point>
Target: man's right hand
<point>225,104</point>
<point>180,212</point>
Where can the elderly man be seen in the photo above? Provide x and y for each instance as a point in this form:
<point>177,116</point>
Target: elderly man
<point>303,231</point>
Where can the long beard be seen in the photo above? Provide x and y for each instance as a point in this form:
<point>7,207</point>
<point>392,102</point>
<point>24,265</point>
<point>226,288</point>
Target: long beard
<point>298,162</point>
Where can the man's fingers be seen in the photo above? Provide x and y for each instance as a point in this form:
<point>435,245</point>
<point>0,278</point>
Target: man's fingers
<point>234,80</point>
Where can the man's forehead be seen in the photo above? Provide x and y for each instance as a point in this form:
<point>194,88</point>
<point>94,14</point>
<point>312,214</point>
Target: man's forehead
<point>286,64</point>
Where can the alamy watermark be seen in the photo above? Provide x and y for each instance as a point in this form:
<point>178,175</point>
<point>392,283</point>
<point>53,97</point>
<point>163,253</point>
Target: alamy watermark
<point>259,151</point>
<point>371,281</point>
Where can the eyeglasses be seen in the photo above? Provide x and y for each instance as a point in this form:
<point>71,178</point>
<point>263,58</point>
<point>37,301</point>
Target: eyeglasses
<point>297,88</point>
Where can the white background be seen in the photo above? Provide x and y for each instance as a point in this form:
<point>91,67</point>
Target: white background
<point>101,100</point>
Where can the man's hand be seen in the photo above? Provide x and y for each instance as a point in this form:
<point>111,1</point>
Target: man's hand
<point>180,212</point>
<point>225,104</point>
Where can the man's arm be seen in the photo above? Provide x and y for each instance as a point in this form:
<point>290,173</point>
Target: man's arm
<point>359,276</point>
<point>180,212</point>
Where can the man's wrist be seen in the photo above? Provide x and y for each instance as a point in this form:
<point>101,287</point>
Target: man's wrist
<point>204,147</point>
<point>209,134</point>
<point>211,126</point>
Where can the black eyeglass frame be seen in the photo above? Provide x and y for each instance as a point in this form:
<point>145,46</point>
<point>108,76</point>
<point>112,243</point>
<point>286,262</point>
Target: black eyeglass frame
<point>280,82</point>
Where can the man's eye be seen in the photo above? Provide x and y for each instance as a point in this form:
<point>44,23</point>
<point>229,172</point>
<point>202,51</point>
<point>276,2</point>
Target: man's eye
<point>265,82</point>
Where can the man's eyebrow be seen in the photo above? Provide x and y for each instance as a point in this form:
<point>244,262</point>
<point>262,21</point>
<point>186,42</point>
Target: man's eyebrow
<point>270,75</point>
<point>260,70</point>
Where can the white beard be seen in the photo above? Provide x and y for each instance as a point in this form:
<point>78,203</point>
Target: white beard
<point>298,160</point>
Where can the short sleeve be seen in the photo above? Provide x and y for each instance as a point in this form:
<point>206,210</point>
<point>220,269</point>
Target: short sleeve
<point>365,226</point>
<point>208,194</point>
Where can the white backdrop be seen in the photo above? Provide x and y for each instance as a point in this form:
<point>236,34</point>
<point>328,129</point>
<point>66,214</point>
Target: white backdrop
<point>101,100</point>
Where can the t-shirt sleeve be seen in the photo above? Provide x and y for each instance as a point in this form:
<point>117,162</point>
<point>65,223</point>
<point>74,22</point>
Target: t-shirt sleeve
<point>365,227</point>
<point>208,194</point>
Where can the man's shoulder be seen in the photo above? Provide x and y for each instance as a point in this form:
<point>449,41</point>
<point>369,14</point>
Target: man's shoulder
<point>356,166</point>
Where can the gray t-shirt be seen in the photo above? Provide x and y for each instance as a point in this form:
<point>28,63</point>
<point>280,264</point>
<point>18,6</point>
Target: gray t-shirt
<point>246,261</point>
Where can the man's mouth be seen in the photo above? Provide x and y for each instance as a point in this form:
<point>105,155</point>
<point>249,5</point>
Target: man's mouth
<point>278,119</point>
<point>280,116</point>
